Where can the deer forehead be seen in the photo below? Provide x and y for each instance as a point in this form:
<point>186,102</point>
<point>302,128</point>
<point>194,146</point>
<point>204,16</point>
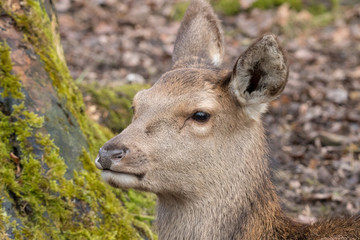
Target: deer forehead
<point>183,91</point>
<point>161,102</point>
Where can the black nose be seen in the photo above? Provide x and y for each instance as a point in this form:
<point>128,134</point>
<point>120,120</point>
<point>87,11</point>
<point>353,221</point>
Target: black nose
<point>107,157</point>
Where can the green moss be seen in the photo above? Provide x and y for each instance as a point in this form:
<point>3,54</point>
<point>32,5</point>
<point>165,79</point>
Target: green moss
<point>295,26</point>
<point>45,198</point>
<point>8,82</point>
<point>227,7</point>
<point>232,7</point>
<point>312,6</point>
<point>179,10</point>
<point>4,219</point>
<point>267,4</point>
<point>140,204</point>
<point>38,30</point>
<point>113,103</point>
<point>45,204</point>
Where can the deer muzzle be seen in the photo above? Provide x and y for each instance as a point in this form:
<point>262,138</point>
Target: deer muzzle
<point>106,158</point>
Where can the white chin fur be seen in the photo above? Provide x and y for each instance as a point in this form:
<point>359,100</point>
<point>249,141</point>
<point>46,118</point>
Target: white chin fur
<point>120,180</point>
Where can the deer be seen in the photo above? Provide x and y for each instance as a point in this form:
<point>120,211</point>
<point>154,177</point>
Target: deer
<point>197,141</point>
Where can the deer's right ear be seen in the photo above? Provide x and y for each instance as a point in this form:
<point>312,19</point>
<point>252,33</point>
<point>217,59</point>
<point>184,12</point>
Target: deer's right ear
<point>200,35</point>
<point>259,75</point>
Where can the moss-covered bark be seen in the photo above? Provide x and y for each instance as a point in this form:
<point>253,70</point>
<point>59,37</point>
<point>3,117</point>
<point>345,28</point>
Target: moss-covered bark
<point>49,187</point>
<point>112,103</point>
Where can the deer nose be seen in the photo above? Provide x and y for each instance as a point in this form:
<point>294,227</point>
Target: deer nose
<point>106,158</point>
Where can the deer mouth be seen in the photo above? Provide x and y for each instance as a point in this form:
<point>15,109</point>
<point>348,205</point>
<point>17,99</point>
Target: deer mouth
<point>122,179</point>
<point>140,176</point>
<point>118,170</point>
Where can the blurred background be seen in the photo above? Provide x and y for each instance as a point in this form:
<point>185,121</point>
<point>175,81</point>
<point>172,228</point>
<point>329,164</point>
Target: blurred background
<point>115,48</point>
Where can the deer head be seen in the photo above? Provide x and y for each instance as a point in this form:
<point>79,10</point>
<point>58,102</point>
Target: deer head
<point>196,133</point>
<point>198,119</point>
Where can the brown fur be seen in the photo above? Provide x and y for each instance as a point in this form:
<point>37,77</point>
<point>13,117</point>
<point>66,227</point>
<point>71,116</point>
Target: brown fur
<point>211,178</point>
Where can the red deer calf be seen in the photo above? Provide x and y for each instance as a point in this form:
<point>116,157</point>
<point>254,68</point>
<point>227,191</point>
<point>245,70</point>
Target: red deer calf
<point>197,142</point>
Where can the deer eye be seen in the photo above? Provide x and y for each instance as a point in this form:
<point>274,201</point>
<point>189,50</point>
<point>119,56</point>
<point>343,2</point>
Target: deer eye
<point>201,117</point>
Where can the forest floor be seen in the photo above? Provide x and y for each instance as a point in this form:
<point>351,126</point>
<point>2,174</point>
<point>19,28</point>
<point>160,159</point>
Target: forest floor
<point>313,128</point>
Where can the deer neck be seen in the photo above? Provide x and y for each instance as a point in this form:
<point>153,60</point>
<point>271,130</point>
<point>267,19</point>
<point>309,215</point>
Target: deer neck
<point>240,206</point>
<point>220,217</point>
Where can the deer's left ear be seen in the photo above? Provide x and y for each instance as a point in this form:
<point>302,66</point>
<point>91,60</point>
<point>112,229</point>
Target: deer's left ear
<point>200,35</point>
<point>259,75</point>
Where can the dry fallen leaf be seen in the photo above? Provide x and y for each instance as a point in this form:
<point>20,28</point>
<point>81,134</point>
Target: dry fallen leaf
<point>16,159</point>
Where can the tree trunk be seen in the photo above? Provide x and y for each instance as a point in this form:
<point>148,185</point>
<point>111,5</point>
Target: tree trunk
<point>49,186</point>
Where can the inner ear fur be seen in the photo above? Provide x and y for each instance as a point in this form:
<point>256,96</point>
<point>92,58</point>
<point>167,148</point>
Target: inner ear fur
<point>260,74</point>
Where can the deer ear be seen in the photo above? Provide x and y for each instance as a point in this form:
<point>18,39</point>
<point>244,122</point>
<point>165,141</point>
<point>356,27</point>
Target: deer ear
<point>259,75</point>
<point>200,35</point>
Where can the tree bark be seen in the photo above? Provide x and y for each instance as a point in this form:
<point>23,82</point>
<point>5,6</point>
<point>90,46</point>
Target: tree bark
<point>49,187</point>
